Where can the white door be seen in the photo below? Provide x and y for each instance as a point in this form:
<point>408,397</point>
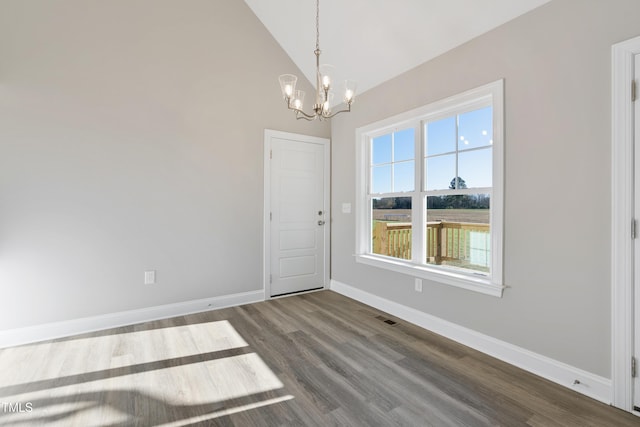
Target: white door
<point>636,309</point>
<point>298,218</point>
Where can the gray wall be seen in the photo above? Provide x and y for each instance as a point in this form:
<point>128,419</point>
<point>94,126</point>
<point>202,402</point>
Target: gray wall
<point>131,136</point>
<point>556,64</point>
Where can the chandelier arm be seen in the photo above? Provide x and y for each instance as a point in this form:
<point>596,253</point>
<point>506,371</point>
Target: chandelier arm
<point>347,110</point>
<point>302,115</point>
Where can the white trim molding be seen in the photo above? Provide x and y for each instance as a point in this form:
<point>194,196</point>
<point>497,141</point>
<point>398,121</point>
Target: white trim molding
<point>589,384</point>
<point>31,334</point>
<point>622,165</point>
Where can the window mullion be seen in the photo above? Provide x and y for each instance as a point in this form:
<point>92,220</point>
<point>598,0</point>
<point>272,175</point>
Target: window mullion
<point>393,166</point>
<point>419,222</point>
<point>457,176</point>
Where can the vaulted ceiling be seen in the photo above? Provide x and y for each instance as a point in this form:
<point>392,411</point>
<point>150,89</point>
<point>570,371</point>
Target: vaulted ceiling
<point>371,41</point>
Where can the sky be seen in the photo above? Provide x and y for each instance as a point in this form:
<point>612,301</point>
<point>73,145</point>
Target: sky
<point>393,155</point>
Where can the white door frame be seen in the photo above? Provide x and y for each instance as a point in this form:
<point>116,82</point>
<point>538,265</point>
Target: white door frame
<point>622,258</point>
<point>266,227</point>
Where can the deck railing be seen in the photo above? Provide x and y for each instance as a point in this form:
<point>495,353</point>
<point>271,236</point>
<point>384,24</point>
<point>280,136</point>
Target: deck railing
<point>447,242</point>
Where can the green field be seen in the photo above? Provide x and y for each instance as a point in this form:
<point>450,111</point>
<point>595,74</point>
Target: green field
<point>478,216</point>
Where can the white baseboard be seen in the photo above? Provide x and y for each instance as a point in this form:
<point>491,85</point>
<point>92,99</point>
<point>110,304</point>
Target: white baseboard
<point>13,337</point>
<point>589,384</point>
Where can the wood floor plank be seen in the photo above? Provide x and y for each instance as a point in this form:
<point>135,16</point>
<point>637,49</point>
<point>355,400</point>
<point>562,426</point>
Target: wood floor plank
<point>317,359</point>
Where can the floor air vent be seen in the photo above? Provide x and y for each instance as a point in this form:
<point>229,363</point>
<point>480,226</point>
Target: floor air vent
<point>385,320</point>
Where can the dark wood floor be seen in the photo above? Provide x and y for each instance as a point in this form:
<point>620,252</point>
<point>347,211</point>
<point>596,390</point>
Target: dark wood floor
<point>318,359</point>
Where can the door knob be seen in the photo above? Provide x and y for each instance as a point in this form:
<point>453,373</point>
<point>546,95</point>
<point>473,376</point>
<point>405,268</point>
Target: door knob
<point>321,222</point>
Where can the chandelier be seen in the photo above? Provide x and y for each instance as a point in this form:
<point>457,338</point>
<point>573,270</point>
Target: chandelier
<point>324,96</point>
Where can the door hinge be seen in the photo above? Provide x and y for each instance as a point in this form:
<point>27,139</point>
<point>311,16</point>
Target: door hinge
<point>270,216</point>
<point>270,278</point>
<point>633,367</point>
<point>270,154</point>
<point>633,91</point>
<point>634,223</point>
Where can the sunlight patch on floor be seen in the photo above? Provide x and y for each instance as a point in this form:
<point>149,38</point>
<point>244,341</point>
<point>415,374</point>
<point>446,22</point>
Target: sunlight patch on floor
<point>201,387</point>
<point>42,361</point>
<point>162,374</point>
<point>229,411</point>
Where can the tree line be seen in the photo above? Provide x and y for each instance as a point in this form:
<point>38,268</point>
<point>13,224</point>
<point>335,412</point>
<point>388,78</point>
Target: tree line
<point>458,201</point>
<point>461,201</point>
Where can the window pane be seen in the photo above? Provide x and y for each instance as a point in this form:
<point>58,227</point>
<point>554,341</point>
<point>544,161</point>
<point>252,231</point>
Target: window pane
<point>458,233</point>
<point>441,136</point>
<point>403,145</point>
<point>475,167</point>
<point>391,227</point>
<point>440,171</point>
<point>381,176</point>
<point>403,177</point>
<point>475,129</point>
<point>381,149</point>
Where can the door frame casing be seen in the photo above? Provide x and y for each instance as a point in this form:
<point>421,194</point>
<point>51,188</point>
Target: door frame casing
<point>622,215</point>
<point>269,134</point>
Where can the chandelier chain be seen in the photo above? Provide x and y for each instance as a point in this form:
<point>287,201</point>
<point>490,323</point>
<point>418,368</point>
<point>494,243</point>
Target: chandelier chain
<point>317,24</point>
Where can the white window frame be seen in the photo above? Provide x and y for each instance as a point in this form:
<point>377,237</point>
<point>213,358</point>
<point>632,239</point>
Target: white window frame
<point>490,284</point>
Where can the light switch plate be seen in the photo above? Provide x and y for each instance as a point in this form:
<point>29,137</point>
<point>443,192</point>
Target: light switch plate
<point>149,277</point>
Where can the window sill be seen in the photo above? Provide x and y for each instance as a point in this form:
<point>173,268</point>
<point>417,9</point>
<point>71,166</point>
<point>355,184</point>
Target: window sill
<point>482,285</point>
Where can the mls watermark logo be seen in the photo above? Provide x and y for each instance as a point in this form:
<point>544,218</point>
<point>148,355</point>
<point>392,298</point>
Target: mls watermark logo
<point>16,407</point>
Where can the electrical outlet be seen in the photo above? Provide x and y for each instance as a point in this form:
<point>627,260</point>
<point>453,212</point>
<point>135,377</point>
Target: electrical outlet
<point>149,277</point>
<point>418,285</point>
